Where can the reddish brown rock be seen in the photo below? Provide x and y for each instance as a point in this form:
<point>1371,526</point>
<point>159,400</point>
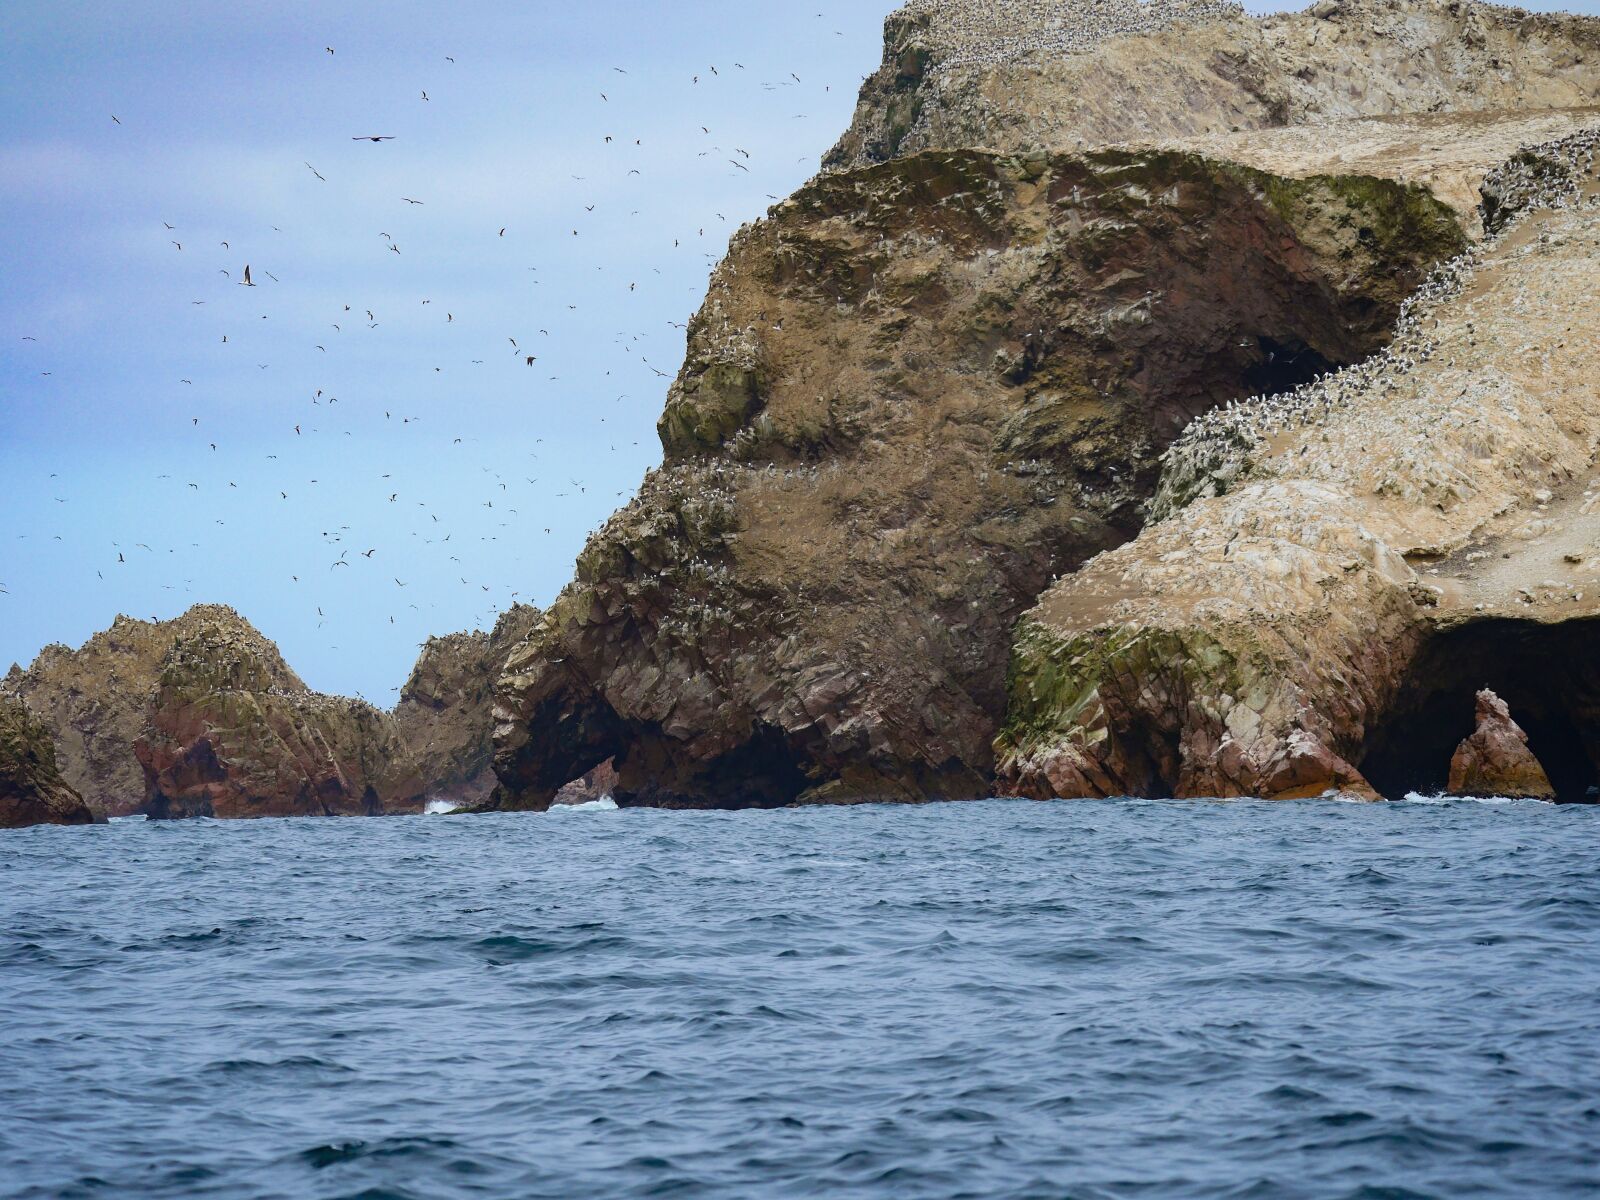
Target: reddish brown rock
<point>1495,760</point>
<point>94,698</point>
<point>224,738</point>
<point>598,784</point>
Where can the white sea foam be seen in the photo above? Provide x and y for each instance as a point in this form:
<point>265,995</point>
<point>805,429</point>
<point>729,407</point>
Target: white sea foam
<point>440,807</point>
<point>604,804</point>
<point>1419,798</point>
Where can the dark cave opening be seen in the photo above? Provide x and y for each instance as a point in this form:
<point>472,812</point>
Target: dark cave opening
<point>762,772</point>
<point>1284,366</point>
<point>1548,675</point>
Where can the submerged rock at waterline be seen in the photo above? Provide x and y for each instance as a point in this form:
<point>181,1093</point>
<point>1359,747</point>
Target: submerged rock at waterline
<point>32,791</point>
<point>1495,760</point>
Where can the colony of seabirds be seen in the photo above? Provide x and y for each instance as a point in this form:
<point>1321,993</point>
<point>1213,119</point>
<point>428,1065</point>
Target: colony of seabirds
<point>986,32</point>
<point>1548,175</point>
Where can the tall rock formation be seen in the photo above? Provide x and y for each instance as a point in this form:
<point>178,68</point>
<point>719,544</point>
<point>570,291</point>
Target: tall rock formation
<point>446,711</point>
<point>916,393</point>
<point>945,373</point>
<point>32,791</point>
<point>1495,760</point>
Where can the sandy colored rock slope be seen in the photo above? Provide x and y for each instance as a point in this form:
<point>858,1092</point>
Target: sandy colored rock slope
<point>1004,77</point>
<point>914,394</point>
<point>1383,546</point>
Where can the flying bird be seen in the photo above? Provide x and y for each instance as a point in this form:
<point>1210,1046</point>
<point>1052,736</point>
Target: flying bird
<point>315,172</point>
<point>367,137</point>
<point>247,281</point>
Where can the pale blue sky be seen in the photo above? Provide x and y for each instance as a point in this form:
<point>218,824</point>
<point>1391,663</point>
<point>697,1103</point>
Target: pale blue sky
<point>114,499</point>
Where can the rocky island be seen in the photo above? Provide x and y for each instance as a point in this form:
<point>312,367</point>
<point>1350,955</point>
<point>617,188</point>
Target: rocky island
<point>939,387</point>
<point>1145,400</point>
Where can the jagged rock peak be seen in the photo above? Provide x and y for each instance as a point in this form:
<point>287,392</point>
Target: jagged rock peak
<point>1496,760</point>
<point>94,698</point>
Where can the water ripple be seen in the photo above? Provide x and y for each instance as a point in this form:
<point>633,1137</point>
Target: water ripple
<point>986,1000</point>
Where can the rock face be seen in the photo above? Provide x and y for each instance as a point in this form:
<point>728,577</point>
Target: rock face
<point>1340,567</point>
<point>916,393</point>
<point>224,737</point>
<point>598,784</point>
<point>1495,760</point>
<point>201,716</point>
<point>1020,75</point>
<point>93,700</point>
<point>446,711</point>
<point>32,791</point>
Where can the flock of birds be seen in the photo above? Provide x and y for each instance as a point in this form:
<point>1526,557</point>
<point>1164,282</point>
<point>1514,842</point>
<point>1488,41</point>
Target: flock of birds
<point>988,32</point>
<point>434,525</point>
<point>1546,175</point>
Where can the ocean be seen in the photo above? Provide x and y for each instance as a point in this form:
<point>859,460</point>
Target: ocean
<point>1000,999</point>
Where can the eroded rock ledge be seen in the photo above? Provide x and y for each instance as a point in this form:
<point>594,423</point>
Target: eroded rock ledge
<point>915,394</point>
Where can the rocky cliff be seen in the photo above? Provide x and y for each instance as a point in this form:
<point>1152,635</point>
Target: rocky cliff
<point>1021,75</point>
<point>1342,567</point>
<point>200,715</point>
<point>95,699</point>
<point>945,373</point>
<point>916,393</point>
<point>446,711</point>
<point>32,791</point>
<point>224,738</point>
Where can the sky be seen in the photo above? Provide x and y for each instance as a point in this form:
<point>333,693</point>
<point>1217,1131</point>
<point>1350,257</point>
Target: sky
<point>355,452</point>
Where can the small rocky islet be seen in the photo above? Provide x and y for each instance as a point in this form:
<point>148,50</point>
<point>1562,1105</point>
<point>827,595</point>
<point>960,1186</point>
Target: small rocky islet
<point>1146,399</point>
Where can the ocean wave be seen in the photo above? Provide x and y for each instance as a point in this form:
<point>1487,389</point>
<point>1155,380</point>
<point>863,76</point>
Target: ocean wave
<point>604,804</point>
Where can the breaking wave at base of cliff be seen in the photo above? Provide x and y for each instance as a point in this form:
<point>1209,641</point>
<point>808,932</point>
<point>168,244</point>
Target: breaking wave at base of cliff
<point>604,804</point>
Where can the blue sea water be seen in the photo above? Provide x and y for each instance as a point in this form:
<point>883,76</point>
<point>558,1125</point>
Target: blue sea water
<point>1003,999</point>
